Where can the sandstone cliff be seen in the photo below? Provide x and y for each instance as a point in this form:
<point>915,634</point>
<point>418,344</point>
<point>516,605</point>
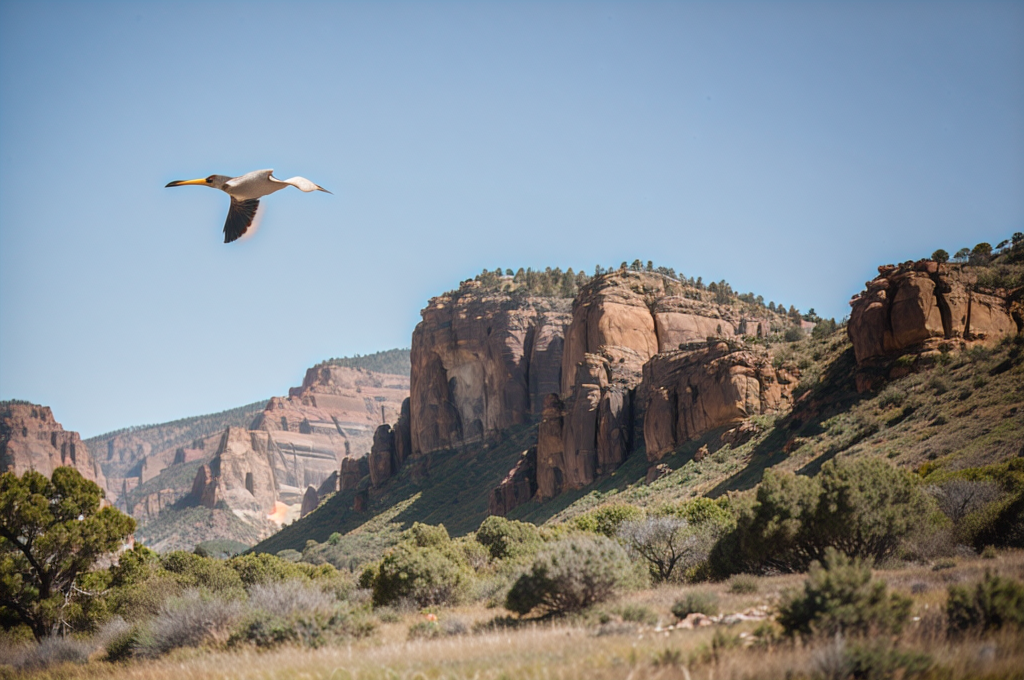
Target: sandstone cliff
<point>694,390</point>
<point>30,439</point>
<point>620,321</point>
<point>481,362</point>
<point>332,416</point>
<point>920,306</point>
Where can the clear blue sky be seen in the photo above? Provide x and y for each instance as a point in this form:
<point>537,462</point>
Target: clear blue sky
<point>788,148</point>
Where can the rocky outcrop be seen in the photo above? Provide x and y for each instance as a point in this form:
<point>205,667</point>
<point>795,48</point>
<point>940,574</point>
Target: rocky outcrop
<point>310,500</point>
<point>243,475</point>
<point>518,487</point>
<point>353,470</point>
<point>382,456</point>
<point>648,313</point>
<point>689,392</point>
<point>204,489</point>
<point>620,321</point>
<point>388,453</point>
<point>922,305</point>
<point>550,457</point>
<point>30,439</point>
<point>331,417</point>
<point>482,362</point>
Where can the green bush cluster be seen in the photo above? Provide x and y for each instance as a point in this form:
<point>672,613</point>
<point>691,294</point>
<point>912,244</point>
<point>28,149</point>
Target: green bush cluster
<point>840,597</point>
<point>426,567</point>
<point>508,539</point>
<point>607,519</point>
<point>994,602</point>
<point>696,602</point>
<point>861,507</point>
<point>570,575</point>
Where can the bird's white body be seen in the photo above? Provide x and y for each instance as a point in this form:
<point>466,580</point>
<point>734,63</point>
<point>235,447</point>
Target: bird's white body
<point>245,192</point>
<point>260,183</point>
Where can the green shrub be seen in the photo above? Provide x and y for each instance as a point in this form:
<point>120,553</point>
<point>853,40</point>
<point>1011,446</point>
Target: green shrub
<point>839,597</point>
<point>743,584</point>
<point>122,645</point>
<point>993,603</point>
<point>426,535</point>
<point>638,613</point>
<point>312,628</point>
<point>508,539</point>
<point>426,575</point>
<point>861,507</point>
<point>569,576</point>
<point>607,519</point>
<point>191,620</point>
<point>195,571</point>
<point>875,660</point>
<point>1000,523</point>
<point>696,602</point>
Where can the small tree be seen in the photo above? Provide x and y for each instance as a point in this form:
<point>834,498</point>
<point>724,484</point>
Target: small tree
<point>666,543</point>
<point>940,256</point>
<point>51,532</point>
<point>962,255</point>
<point>981,254</point>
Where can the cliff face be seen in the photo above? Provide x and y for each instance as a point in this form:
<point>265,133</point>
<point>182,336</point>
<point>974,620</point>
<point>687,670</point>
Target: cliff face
<point>646,313</point>
<point>332,416</point>
<point>30,439</point>
<point>313,442</point>
<point>482,362</point>
<point>620,322</point>
<point>922,305</point>
<point>691,391</point>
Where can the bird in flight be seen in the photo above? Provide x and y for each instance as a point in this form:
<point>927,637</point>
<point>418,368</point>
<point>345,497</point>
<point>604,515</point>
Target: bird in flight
<point>245,192</point>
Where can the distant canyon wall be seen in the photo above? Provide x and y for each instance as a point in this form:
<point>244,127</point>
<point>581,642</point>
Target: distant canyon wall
<point>31,439</point>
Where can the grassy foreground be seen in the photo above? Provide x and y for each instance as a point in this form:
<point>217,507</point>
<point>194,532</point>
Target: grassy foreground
<point>632,636</point>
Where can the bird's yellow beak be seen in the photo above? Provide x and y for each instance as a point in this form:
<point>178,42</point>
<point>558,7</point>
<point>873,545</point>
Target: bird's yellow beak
<point>183,182</point>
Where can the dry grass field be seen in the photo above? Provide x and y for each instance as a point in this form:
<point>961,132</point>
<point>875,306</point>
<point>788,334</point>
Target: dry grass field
<point>629,637</point>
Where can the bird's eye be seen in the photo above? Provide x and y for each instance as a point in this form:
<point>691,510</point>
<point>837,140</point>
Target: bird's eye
<point>209,180</point>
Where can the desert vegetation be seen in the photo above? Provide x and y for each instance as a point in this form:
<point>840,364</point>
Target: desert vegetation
<point>696,588</point>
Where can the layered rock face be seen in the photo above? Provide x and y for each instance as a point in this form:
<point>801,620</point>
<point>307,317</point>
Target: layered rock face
<point>482,362</point>
<point>920,305</point>
<point>30,439</point>
<point>691,391</point>
<point>620,322</point>
<point>332,416</point>
<point>306,445</point>
<point>244,474</point>
<point>646,314</point>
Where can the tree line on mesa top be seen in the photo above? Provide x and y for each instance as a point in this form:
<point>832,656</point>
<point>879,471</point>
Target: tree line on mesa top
<point>553,282</point>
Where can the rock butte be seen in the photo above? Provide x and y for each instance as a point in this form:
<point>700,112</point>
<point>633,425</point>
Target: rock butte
<point>30,439</point>
<point>926,307</point>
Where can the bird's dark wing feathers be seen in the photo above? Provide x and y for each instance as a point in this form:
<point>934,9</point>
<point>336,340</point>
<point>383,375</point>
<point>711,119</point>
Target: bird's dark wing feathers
<point>240,216</point>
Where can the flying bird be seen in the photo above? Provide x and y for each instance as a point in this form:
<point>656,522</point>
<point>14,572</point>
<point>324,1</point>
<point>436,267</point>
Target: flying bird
<point>246,192</point>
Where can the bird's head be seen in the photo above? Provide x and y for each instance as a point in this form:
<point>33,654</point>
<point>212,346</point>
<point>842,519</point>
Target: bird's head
<point>213,181</point>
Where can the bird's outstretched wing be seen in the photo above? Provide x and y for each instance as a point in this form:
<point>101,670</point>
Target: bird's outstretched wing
<point>300,183</point>
<point>240,216</point>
